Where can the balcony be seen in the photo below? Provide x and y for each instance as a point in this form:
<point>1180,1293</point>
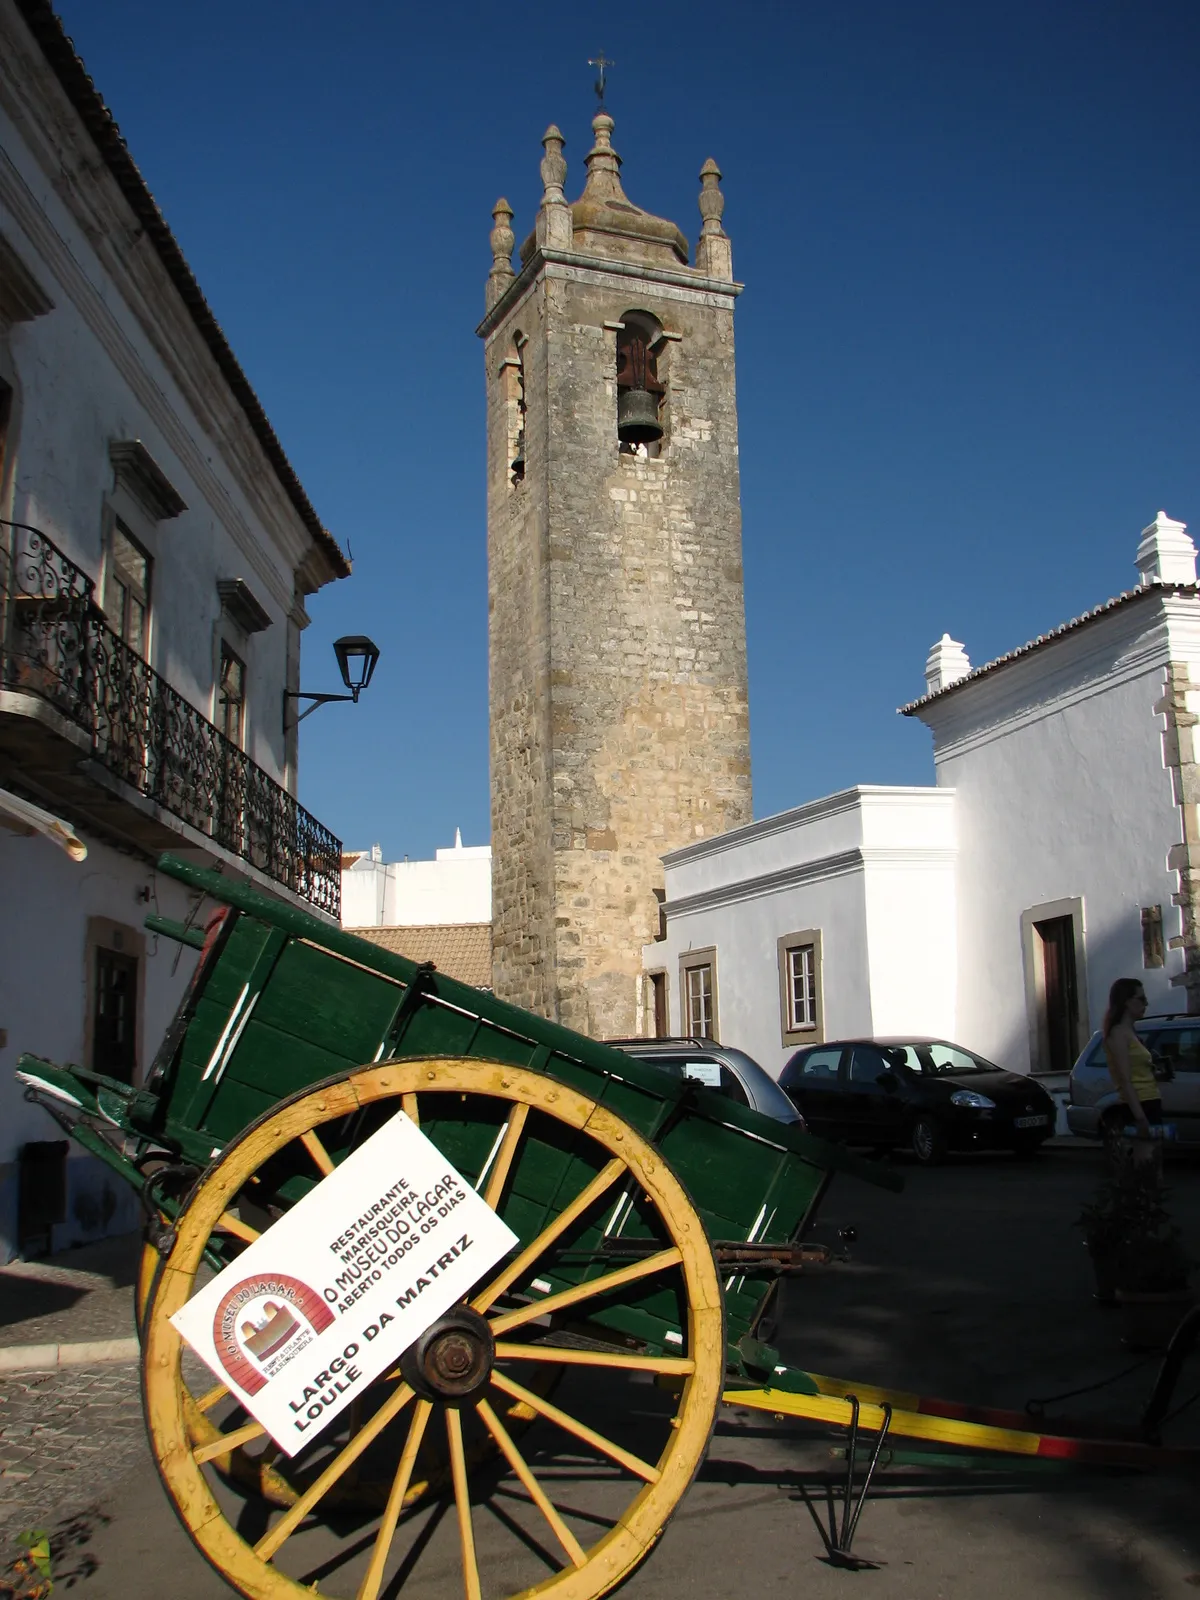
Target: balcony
<point>88,725</point>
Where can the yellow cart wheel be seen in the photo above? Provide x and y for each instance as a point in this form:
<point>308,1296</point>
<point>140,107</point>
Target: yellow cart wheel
<point>613,1459</point>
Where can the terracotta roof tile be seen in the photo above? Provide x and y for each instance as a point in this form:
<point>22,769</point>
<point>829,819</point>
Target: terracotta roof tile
<point>461,950</point>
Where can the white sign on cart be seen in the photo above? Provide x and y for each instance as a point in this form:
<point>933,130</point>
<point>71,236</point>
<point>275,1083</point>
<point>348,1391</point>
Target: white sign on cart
<point>331,1295</point>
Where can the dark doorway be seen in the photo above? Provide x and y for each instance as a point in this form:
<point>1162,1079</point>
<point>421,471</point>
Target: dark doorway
<point>1059,1023</point>
<point>658,989</point>
<point>114,1022</point>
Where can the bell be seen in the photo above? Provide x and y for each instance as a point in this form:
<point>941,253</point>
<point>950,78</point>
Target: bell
<point>637,417</point>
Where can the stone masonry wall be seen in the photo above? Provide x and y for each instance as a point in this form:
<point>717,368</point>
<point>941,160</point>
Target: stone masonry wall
<point>618,660</point>
<point>1180,708</point>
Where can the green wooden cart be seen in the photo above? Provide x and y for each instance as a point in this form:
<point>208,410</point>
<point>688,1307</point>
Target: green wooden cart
<point>654,1217</point>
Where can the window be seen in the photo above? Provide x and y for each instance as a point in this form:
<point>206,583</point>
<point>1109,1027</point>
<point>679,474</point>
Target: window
<point>1179,1047</point>
<point>802,987</point>
<point>114,1014</point>
<point>800,1011</point>
<point>127,588</point>
<point>698,988</point>
<point>945,1058</point>
<point>231,695</point>
<point>867,1064</point>
<point>1153,950</point>
<point>814,1066</point>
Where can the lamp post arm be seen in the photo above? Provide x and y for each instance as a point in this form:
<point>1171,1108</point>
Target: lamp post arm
<point>317,700</point>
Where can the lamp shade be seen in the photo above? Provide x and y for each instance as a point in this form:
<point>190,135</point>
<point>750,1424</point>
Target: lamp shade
<point>356,658</point>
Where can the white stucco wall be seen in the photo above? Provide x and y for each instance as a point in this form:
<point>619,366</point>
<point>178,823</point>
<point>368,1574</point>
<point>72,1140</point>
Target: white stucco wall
<point>872,868</point>
<point>118,357</point>
<point>1057,761</point>
<point>456,886</point>
<point>45,903</point>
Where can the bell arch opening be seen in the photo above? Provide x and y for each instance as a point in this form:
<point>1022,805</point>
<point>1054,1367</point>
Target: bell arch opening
<point>512,380</point>
<point>641,393</point>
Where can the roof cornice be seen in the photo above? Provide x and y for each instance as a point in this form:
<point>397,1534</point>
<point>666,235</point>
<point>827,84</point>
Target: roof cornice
<point>1188,591</point>
<point>681,278</point>
<point>62,59</point>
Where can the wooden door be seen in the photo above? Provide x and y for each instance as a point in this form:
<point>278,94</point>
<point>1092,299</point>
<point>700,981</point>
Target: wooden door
<point>1060,1019</point>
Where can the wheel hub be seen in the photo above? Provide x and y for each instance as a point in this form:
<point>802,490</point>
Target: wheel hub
<point>452,1360</point>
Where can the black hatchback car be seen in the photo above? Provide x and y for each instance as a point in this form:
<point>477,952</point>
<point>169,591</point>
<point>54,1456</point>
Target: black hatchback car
<point>924,1094</point>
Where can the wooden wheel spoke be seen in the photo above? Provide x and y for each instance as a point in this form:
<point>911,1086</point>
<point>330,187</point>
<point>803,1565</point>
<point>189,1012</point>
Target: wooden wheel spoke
<point>369,1588</point>
<point>408,1104</point>
<point>569,1424</point>
<point>588,1290</point>
<point>561,1355</point>
<point>227,1442</point>
<point>318,1152</point>
<point>210,1397</point>
<point>462,1501</point>
<point>228,1223</point>
<point>603,1181</point>
<point>271,1541</point>
<point>574,1550</point>
<point>508,1149</point>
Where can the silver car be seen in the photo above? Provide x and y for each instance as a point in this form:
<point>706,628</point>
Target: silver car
<point>717,1066</point>
<point>1095,1109</point>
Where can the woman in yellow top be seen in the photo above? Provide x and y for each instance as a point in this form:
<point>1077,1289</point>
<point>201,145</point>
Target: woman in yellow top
<point>1129,1062</point>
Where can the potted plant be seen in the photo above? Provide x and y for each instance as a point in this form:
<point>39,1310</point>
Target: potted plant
<point>1102,1223</point>
<point>1137,1251</point>
<point>1152,1286</point>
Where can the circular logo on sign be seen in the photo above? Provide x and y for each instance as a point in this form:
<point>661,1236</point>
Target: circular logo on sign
<point>262,1323</point>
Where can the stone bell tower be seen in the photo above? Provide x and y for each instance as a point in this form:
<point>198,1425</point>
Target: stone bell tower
<point>617,635</point>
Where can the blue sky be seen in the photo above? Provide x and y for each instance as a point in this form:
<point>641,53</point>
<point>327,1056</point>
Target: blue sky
<point>967,349</point>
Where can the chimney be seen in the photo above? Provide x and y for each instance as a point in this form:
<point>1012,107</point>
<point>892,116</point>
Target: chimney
<point>1166,554</point>
<point>945,664</point>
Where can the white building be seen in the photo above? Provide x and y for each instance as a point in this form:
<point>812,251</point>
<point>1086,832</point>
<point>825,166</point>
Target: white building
<point>455,887</point>
<point>439,910</point>
<point>1059,850</point>
<point>156,549</point>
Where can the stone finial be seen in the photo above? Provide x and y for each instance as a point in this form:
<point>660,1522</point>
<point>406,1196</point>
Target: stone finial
<point>554,166</point>
<point>502,240</point>
<point>603,163</point>
<point>945,664</point>
<point>554,226</point>
<point>1166,553</point>
<point>712,201</point>
<point>714,256</point>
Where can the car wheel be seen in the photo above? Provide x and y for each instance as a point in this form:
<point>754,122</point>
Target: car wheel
<point>928,1141</point>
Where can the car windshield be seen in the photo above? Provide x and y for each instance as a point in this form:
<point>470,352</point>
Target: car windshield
<point>937,1058</point>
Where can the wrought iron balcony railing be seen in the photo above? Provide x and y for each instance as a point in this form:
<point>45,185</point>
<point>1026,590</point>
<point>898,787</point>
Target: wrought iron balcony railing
<point>55,644</point>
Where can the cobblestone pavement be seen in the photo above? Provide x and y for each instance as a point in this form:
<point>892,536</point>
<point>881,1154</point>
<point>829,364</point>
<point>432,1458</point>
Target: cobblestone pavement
<point>67,1438</point>
<point>78,1295</point>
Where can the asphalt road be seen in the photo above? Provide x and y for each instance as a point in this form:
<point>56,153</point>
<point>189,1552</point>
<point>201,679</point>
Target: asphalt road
<point>972,1284</point>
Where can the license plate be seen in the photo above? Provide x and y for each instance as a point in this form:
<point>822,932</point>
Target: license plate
<point>1030,1122</point>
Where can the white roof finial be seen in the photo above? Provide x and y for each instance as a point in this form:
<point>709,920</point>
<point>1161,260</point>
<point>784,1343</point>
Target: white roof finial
<point>458,844</point>
<point>1166,553</point>
<point>945,664</point>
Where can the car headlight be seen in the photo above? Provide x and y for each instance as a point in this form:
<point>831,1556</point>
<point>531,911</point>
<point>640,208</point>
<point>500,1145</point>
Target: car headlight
<point>969,1097</point>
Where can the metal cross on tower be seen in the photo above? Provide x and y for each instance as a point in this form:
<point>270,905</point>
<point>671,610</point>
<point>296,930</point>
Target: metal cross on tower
<point>603,63</point>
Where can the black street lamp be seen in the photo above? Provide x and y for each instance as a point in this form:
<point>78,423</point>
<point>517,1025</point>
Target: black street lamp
<point>356,658</point>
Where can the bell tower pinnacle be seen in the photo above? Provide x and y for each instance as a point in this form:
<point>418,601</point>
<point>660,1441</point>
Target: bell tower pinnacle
<point>617,639</point>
